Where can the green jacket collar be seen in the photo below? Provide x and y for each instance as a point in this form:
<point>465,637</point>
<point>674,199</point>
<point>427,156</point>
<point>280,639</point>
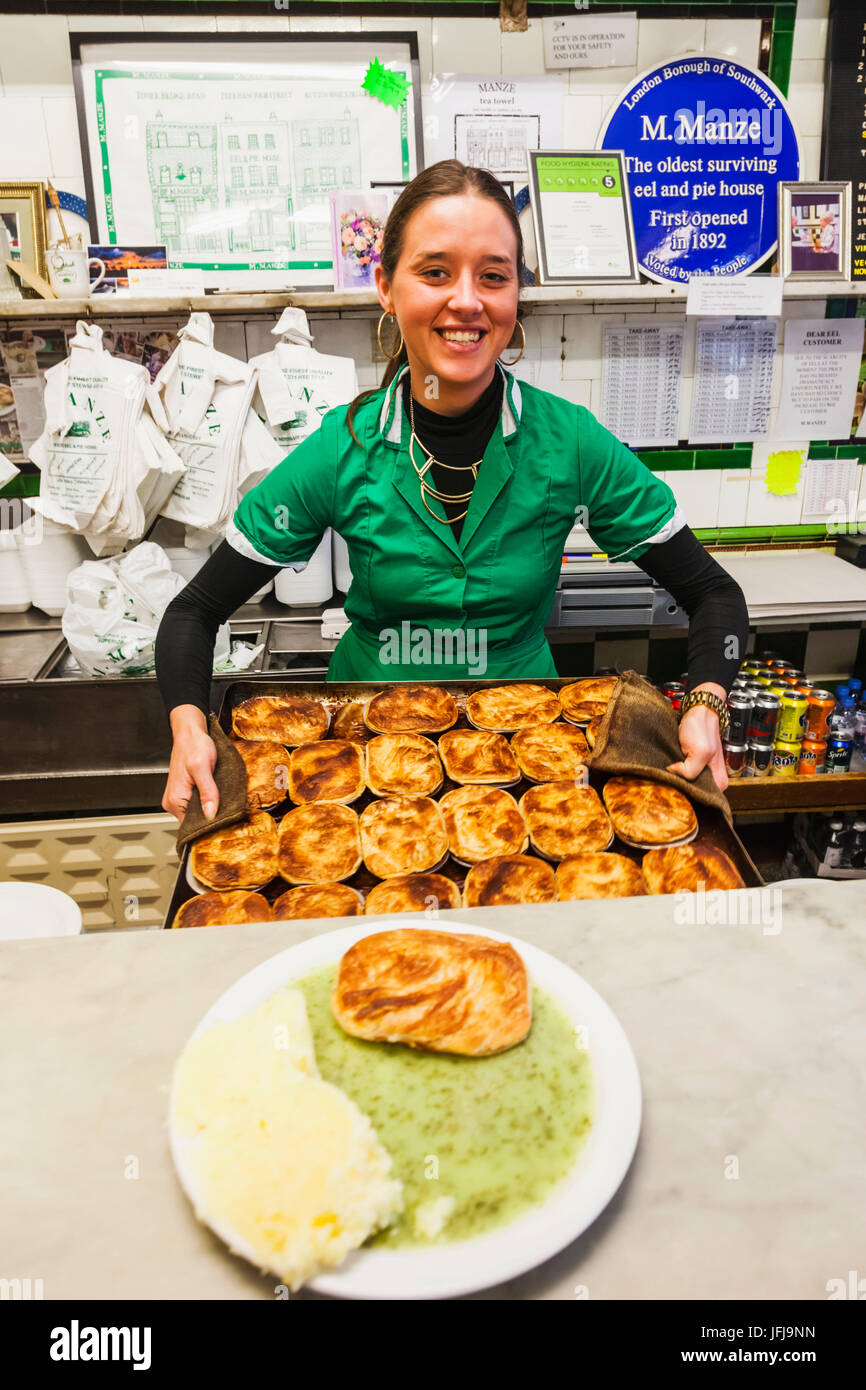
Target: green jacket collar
<point>390,426</point>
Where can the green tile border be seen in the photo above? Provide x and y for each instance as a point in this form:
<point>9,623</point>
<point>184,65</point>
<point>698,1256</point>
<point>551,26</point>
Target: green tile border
<point>26,485</point>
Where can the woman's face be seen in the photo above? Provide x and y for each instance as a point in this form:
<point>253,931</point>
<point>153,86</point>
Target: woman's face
<point>457,271</point>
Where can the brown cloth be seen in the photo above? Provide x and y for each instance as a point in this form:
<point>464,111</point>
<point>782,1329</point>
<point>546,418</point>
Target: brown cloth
<point>230,775</point>
<point>638,737</point>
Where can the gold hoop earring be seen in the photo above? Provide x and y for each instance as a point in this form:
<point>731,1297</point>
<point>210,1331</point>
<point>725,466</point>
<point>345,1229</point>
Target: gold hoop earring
<point>389,355</point>
<point>522,350</point>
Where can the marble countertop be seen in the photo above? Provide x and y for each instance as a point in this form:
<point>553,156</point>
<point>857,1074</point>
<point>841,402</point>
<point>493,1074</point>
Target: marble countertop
<point>749,1178</point>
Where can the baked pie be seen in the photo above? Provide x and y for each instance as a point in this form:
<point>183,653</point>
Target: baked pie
<point>319,843</point>
<point>403,765</point>
<point>481,822</point>
<point>348,723</point>
<point>563,819</point>
<point>222,910</point>
<point>238,856</point>
<point>587,699</point>
<point>550,752</point>
<point>509,878</point>
<point>412,893</point>
<point>287,719</point>
<point>332,770</point>
<point>646,814</point>
<point>443,991</point>
<point>318,900</point>
<point>267,766</point>
<point>402,835</point>
<point>505,708</point>
<point>598,876</point>
<point>474,757</point>
<point>689,869</point>
<point>591,730</point>
<point>411,709</point>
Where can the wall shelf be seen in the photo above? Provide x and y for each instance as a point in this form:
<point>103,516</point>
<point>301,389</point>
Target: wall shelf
<point>106,306</point>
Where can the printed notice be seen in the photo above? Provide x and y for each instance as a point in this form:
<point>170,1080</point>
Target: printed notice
<point>734,364</point>
<point>590,41</point>
<point>821,364</point>
<point>640,394</point>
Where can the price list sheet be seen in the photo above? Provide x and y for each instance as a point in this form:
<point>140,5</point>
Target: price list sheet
<point>734,364</point>
<point>640,383</point>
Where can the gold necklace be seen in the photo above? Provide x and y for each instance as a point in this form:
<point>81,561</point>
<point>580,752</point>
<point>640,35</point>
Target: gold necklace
<point>425,486</point>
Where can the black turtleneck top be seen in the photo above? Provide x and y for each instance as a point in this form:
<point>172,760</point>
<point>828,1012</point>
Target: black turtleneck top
<point>719,620</point>
<point>458,439</point>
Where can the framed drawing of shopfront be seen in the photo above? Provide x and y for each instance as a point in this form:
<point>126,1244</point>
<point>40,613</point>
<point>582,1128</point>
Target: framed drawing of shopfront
<point>226,147</point>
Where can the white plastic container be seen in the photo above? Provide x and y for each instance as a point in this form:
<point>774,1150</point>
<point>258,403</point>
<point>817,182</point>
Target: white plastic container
<point>342,568</point>
<point>311,585</point>
<point>14,588</point>
<point>48,564</point>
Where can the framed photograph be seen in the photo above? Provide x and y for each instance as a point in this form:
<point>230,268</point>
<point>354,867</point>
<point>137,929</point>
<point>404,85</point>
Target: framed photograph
<point>357,227</point>
<point>119,261</point>
<point>583,225</point>
<point>815,231</point>
<point>23,224</point>
<point>225,147</point>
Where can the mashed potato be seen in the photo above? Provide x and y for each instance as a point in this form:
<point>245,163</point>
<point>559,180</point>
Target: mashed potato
<point>285,1160</point>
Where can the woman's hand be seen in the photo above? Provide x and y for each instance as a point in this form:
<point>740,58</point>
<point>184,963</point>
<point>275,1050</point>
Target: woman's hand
<point>701,742</point>
<point>193,758</point>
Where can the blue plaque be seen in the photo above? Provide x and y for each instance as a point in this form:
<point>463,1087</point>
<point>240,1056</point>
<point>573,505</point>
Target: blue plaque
<point>706,142</point>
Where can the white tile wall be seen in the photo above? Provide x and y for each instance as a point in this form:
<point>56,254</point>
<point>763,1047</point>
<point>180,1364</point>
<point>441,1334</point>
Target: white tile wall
<point>37,117</point>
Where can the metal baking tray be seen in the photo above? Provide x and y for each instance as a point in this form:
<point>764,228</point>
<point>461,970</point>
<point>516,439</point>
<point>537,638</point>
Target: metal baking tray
<point>712,825</point>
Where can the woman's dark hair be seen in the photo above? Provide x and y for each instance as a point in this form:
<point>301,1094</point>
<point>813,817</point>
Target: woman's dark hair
<point>443,180</point>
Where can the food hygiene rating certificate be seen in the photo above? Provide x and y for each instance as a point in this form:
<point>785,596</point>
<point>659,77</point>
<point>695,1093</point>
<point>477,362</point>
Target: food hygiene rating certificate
<point>582,218</point>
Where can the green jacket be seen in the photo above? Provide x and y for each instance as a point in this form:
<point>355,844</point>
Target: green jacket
<point>423,605</point>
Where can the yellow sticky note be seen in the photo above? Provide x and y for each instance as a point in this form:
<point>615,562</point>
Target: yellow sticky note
<point>783,471</point>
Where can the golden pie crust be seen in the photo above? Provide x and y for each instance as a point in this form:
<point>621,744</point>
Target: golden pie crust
<point>550,752</point>
<point>403,765</point>
<point>504,708</point>
<point>563,819</point>
<point>222,910</point>
<point>238,856</point>
<point>329,771</point>
<point>287,719</point>
<point>587,699</point>
<point>267,766</point>
<point>318,900</point>
<point>319,843</point>
<point>598,876</point>
<point>591,730</point>
<point>647,814</point>
<point>402,835</point>
<point>689,868</point>
<point>411,709</point>
<point>476,757</point>
<point>412,893</point>
<point>349,723</point>
<point>443,991</point>
<point>481,822</point>
<point>509,878</point>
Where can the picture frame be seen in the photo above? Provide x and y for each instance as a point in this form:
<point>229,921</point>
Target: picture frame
<point>815,230</point>
<point>358,220</point>
<point>224,147</point>
<point>22,211</point>
<point>582,194</point>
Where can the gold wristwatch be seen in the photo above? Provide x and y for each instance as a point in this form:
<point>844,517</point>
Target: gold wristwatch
<point>714,702</point>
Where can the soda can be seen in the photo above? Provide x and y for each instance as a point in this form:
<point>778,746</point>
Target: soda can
<point>759,759</point>
<point>778,688</point>
<point>735,759</point>
<point>838,757</point>
<point>786,757</point>
<point>791,727</point>
<point>673,688</point>
<point>795,673</point>
<point>739,709</point>
<point>813,752</point>
<point>751,668</point>
<point>765,678</point>
<point>804,683</point>
<point>821,706</point>
<point>762,721</point>
<point>790,681</point>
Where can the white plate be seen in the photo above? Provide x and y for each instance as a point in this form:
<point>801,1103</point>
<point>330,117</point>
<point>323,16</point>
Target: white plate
<point>33,909</point>
<point>448,1270</point>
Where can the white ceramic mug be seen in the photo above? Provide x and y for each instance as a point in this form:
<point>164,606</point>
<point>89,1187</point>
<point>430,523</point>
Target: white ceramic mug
<point>69,272</point>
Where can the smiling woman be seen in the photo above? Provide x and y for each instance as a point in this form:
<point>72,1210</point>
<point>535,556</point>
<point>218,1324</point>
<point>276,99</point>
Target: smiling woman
<point>454,486</point>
